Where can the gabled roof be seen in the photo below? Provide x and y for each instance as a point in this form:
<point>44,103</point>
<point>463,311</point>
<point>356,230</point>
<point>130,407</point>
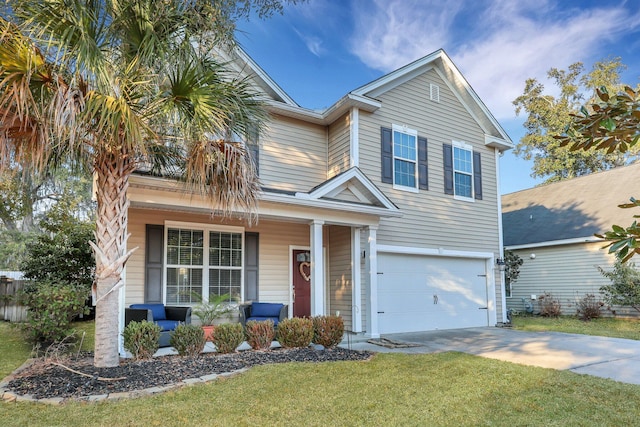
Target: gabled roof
<point>350,186</point>
<point>574,209</point>
<point>364,97</point>
<point>442,64</point>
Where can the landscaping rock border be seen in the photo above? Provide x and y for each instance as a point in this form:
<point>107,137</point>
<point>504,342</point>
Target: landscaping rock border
<point>76,379</point>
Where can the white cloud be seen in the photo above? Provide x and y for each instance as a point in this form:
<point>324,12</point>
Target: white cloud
<point>510,41</point>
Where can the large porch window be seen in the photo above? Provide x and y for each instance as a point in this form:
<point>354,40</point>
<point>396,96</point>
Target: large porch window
<point>201,262</point>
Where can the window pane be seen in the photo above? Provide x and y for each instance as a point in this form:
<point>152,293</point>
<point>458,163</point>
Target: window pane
<point>236,258</point>
<point>185,237</point>
<point>185,256</point>
<point>462,184</point>
<point>172,255</point>
<point>173,237</point>
<point>184,285</point>
<point>405,173</point>
<point>197,239</point>
<point>214,257</point>
<point>462,160</point>
<point>196,256</point>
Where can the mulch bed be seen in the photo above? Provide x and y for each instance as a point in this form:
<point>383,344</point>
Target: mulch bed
<point>45,379</point>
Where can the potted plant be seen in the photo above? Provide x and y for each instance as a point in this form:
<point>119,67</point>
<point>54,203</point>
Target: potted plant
<point>208,311</point>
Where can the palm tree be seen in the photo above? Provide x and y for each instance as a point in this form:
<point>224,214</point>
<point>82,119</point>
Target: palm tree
<point>113,84</point>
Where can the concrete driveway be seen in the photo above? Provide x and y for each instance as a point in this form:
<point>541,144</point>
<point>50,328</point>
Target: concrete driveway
<point>615,358</point>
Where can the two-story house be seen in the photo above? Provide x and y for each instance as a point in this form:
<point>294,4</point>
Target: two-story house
<point>383,208</point>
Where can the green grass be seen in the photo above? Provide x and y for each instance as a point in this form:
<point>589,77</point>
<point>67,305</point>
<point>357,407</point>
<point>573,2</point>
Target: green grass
<point>606,327</point>
<point>392,389</point>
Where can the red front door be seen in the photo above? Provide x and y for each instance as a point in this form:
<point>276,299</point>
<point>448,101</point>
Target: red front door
<point>301,284</point>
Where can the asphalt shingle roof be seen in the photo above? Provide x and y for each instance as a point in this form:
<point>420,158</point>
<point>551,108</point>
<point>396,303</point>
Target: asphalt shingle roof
<point>571,209</point>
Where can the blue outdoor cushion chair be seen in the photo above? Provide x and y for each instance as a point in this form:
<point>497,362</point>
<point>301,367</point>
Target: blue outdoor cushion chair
<point>261,311</point>
<point>164,316</point>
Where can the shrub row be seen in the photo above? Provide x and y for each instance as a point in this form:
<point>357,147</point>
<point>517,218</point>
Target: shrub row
<point>141,338</point>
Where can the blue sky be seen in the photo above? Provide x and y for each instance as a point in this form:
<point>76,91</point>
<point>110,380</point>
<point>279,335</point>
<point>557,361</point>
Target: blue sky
<point>320,50</point>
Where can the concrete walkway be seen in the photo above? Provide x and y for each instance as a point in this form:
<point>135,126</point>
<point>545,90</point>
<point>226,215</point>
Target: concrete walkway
<point>614,358</point>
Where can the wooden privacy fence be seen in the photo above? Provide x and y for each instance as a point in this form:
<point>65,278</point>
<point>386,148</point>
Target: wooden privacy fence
<point>9,308</point>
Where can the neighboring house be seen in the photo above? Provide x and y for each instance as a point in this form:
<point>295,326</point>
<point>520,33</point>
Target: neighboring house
<point>551,227</point>
<point>383,208</point>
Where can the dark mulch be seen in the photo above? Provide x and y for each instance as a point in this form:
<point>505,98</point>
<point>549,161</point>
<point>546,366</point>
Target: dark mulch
<point>47,380</point>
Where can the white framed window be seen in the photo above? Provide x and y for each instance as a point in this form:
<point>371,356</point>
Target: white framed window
<point>202,261</point>
<point>462,170</point>
<point>405,158</point>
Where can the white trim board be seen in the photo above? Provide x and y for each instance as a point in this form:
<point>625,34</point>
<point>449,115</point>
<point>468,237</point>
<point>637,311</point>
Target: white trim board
<point>434,252</point>
<point>591,239</point>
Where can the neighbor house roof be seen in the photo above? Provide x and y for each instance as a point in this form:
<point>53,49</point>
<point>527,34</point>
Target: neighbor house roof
<point>571,209</point>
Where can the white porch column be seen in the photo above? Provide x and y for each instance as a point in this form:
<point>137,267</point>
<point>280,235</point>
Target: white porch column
<point>372,290</point>
<point>317,269</point>
<point>356,280</point>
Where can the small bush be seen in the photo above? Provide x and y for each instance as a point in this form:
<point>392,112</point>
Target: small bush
<point>260,334</point>
<point>549,306</point>
<point>141,339</point>
<point>589,307</point>
<point>227,337</point>
<point>188,340</point>
<point>51,308</point>
<point>328,330</point>
<point>296,332</point>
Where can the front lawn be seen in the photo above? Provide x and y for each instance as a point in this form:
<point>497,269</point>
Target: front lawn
<point>391,389</point>
<point>604,326</point>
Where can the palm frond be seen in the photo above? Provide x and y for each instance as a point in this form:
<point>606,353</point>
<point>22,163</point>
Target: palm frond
<point>224,172</point>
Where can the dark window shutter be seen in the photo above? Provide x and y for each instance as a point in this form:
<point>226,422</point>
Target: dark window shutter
<point>254,151</point>
<point>386,140</point>
<point>153,263</point>
<point>251,259</point>
<point>423,169</point>
<point>477,176</point>
<point>447,155</point>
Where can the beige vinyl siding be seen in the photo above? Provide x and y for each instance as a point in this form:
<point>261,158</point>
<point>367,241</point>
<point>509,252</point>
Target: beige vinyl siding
<point>340,277</point>
<point>275,238</point>
<point>293,155</point>
<point>568,272</point>
<point>339,150</point>
<point>432,218</point>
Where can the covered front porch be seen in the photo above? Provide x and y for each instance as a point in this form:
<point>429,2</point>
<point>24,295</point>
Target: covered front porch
<point>313,252</point>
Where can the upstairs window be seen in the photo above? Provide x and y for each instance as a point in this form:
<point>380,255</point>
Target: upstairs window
<point>462,171</point>
<point>405,153</point>
<point>404,161</point>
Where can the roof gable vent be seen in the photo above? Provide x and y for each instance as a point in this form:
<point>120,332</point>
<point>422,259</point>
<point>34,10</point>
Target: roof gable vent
<point>434,92</point>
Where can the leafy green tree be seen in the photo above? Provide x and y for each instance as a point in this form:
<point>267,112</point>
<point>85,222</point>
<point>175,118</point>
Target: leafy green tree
<point>114,84</point>
<point>625,285</point>
<point>13,248</point>
<point>512,263</point>
<point>62,254</point>
<point>549,115</point>
<point>610,124</point>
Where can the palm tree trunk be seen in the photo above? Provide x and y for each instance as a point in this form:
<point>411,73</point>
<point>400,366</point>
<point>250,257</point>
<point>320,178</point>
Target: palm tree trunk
<point>112,181</point>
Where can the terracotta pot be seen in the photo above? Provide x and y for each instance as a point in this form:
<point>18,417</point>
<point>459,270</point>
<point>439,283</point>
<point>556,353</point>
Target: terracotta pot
<point>208,332</point>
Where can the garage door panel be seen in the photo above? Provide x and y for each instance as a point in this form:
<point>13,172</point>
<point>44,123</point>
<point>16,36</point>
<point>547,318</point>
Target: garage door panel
<point>425,293</point>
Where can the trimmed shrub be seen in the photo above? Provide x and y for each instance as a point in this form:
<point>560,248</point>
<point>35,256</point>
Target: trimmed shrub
<point>227,337</point>
<point>141,339</point>
<point>549,306</point>
<point>188,340</point>
<point>589,307</point>
<point>51,308</point>
<point>296,332</point>
<point>260,334</point>
<point>328,330</point>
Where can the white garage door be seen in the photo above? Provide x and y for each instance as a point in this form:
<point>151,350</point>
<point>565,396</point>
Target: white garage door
<point>422,293</point>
